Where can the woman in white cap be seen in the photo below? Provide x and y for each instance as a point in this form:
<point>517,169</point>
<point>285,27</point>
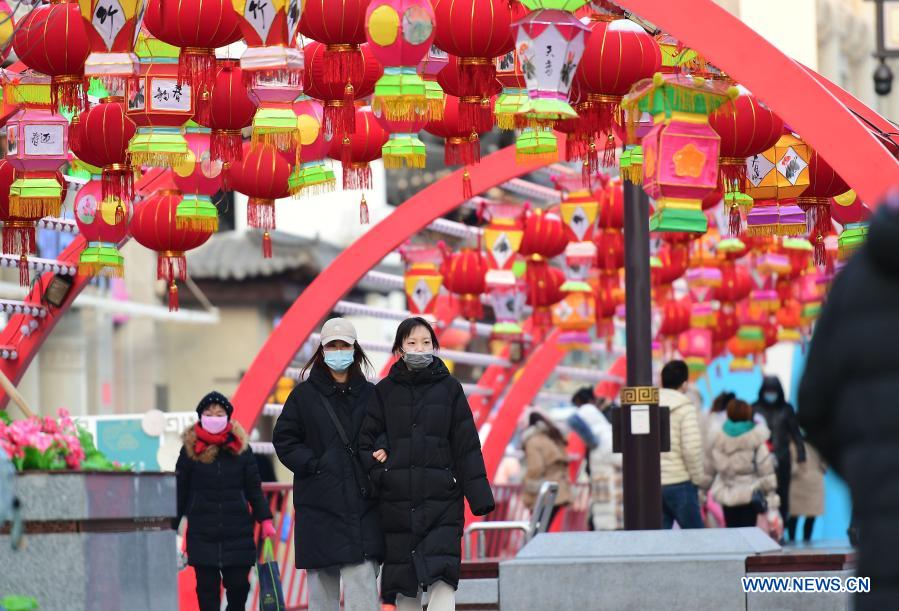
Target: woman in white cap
<point>337,533</point>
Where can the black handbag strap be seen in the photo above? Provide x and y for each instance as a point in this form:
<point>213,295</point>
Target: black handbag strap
<point>341,432</point>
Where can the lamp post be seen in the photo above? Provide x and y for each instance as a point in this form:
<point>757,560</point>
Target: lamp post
<point>887,15</point>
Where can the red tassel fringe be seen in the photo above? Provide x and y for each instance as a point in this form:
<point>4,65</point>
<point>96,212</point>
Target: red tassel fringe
<point>599,117</point>
<point>266,245</point>
<point>173,297</point>
<point>363,211</point>
<point>261,213</point>
<point>118,183</point>
<point>608,155</point>
<point>357,176</point>
<point>476,114</point>
<point>732,177</point>
<point>197,68</point>
<point>340,120</point>
<point>171,268</point>
<point>343,63</point>
<point>464,152</point>
<point>19,241</point>
<point>470,307</point>
<point>24,272</point>
<point>226,145</point>
<point>475,79</point>
<point>735,221</point>
<point>467,191</point>
<point>69,93</point>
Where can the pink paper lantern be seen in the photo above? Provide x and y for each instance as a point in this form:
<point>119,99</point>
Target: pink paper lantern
<point>103,223</point>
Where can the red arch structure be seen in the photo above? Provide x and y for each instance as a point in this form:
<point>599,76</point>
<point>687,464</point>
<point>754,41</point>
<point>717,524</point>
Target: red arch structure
<point>828,125</point>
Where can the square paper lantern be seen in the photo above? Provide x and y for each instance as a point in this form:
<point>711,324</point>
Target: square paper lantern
<point>422,279</point>
<point>508,297</point>
<point>503,235</point>
<point>37,140</point>
<point>781,172</point>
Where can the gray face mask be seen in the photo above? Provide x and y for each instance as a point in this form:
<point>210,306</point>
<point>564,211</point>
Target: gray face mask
<point>418,360</point>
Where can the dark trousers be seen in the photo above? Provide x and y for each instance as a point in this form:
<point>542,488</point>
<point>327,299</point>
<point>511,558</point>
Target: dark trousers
<point>209,587</point>
<point>807,527</point>
<point>740,515</point>
<point>784,474</point>
<point>680,503</point>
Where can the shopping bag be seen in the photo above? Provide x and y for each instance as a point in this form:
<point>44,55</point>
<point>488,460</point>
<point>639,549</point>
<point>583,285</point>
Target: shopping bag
<point>271,596</point>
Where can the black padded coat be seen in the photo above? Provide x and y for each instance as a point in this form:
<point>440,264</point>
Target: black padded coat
<point>335,526</point>
<point>216,489</point>
<point>434,459</point>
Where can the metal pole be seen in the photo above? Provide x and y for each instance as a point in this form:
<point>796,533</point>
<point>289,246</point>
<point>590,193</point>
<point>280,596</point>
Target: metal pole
<point>641,447</point>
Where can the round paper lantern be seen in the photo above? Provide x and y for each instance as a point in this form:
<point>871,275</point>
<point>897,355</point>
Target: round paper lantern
<point>475,110</point>
<point>340,26</point>
<point>53,39</point>
<point>103,222</point>
<point>154,226</point>
<point>464,275</point>
<point>736,284</point>
<point>617,55</point>
<point>113,31</point>
<point>229,110</point>
<point>462,144</point>
<point>609,249</point>
<point>399,33</point>
<point>824,184</point>
<point>198,27</point>
<point>262,176</point>
<point>100,137</point>
<point>544,235</point>
<point>544,290</point>
<point>611,205</point>
<point>356,150</point>
<point>312,176</point>
<point>198,178</point>
<point>7,28</point>
<point>338,96</point>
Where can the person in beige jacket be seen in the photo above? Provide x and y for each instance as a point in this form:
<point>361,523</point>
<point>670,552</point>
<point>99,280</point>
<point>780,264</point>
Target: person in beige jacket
<point>742,469</point>
<point>682,469</point>
<point>546,457</point>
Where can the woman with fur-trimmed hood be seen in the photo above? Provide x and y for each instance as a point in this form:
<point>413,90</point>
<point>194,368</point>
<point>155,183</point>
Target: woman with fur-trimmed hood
<point>220,494</point>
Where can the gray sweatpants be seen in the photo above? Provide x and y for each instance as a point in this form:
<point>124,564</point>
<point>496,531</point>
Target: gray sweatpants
<point>360,588</point>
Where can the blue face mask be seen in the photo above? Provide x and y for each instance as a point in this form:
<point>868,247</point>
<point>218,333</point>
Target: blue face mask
<point>770,397</point>
<point>339,360</point>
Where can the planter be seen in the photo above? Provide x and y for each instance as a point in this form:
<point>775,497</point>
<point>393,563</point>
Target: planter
<point>94,541</point>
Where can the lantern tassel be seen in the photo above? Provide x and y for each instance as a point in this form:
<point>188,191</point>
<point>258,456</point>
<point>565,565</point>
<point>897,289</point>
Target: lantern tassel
<point>357,176</point>
<point>118,182</point>
<point>339,118</point>
<point>467,192</point>
<point>24,272</point>
<point>363,211</point>
<point>171,267</point>
<point>476,77</point>
<point>266,245</point>
<point>343,63</point>
<point>591,163</point>
<point>820,254</point>
<point>19,240</point>
<point>608,156</point>
<point>68,92</point>
<point>462,151</point>
<point>119,213</point>
<point>477,114</point>
<point>197,67</point>
<point>261,213</point>
<point>173,297</point>
<point>735,221</point>
<point>226,145</point>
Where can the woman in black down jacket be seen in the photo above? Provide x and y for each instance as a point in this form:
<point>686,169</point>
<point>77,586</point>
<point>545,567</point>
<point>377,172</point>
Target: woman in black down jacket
<point>337,536</point>
<point>217,479</point>
<point>431,459</point>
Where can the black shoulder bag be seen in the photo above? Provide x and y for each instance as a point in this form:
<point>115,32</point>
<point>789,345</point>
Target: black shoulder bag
<point>758,502</point>
<point>363,482</point>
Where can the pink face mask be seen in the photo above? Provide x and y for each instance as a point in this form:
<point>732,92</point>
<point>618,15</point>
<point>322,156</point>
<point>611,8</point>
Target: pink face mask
<point>214,424</point>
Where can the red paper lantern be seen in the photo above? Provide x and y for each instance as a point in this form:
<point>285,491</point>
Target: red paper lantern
<point>102,221</point>
<point>736,284</point>
<point>338,96</point>
<point>609,249</point>
<point>476,110</point>
<point>824,184</point>
<point>617,54</point>
<point>99,136</point>
<point>198,27</point>
<point>544,290</point>
<point>356,151</point>
<point>726,325</point>
<point>154,227</point>
<point>544,236</point>
<point>463,144</point>
<point>54,39</point>
<point>611,205</point>
<point>228,109</point>
<point>464,274</point>
<point>747,128</point>
<point>340,26</point>
<point>675,318</point>
<point>674,259</point>
<point>262,176</point>
<point>488,33</point>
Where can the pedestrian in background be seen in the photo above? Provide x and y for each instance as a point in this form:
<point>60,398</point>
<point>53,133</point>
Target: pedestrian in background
<point>217,477</point>
<point>546,460</point>
<point>806,492</point>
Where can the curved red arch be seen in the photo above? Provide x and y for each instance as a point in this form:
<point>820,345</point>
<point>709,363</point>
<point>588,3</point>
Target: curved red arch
<point>348,268</point>
<point>784,85</point>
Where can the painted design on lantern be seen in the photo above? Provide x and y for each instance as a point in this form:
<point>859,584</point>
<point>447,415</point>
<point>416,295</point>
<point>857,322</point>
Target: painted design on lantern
<point>44,140</point>
<point>422,295</point>
<point>384,25</point>
<point>417,25</point>
<point>208,167</point>
<point>689,161</point>
<point>141,9</point>
<point>108,20</point>
<point>293,18</point>
<point>502,250</point>
<point>579,222</point>
<point>137,98</point>
<point>526,57</point>
<point>86,209</point>
<point>12,141</point>
<point>759,167</point>
<point>567,69</point>
<point>260,14</point>
<point>506,63</point>
<point>649,161</point>
<point>167,94</point>
<point>309,129</point>
<point>791,165</point>
<point>437,53</point>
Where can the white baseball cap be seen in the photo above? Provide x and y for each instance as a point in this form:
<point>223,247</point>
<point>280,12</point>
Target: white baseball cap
<point>338,329</point>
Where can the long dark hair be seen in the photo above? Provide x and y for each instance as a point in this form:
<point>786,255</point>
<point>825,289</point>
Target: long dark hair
<point>361,366</point>
<point>549,427</point>
<point>721,401</point>
<point>405,330</point>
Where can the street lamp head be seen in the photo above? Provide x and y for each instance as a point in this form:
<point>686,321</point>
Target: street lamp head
<point>883,78</point>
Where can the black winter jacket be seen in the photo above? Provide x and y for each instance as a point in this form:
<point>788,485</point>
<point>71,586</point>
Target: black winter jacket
<point>848,400</point>
<point>215,488</point>
<point>781,420</point>
<point>434,458</point>
<point>335,526</point>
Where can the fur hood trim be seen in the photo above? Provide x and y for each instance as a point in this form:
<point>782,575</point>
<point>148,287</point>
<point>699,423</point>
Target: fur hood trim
<point>189,438</point>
